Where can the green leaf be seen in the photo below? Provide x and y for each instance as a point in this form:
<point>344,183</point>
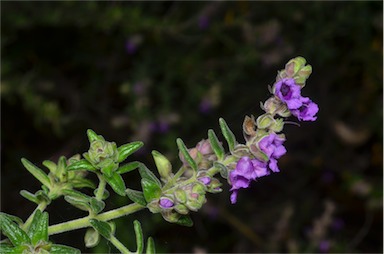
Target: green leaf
<point>77,199</point>
<point>81,165</point>
<point>228,134</point>
<point>109,169</point>
<point>11,230</point>
<point>147,174</point>
<point>38,231</point>
<point>163,165</point>
<point>92,136</point>
<point>183,149</point>
<point>4,249</point>
<point>36,172</point>
<point>96,205</point>
<point>150,246</point>
<point>215,144</point>
<point>42,196</point>
<point>151,190</point>
<point>14,218</point>
<point>102,227</point>
<point>139,236</point>
<point>29,196</point>
<point>105,193</point>
<point>51,166</point>
<point>128,167</point>
<point>136,196</point>
<point>91,238</point>
<point>116,182</point>
<point>128,149</point>
<point>62,249</point>
<point>82,182</point>
<point>185,220</point>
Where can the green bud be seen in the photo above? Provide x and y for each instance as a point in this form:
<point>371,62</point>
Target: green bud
<point>102,153</point>
<point>180,196</point>
<point>171,216</point>
<point>265,121</point>
<point>182,209</point>
<point>277,125</point>
<point>163,165</point>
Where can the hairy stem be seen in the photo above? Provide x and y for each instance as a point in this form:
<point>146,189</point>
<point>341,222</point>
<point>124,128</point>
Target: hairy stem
<point>119,245</point>
<point>101,188</point>
<point>27,223</point>
<point>84,222</point>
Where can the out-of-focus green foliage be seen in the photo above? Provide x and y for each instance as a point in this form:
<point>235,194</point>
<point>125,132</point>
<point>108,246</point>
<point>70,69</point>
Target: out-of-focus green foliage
<point>154,71</point>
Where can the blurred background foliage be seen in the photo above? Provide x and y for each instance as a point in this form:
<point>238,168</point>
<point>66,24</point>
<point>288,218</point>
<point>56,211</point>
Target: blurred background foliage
<point>155,71</point>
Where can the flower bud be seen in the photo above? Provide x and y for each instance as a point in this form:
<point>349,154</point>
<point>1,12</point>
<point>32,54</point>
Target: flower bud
<point>180,196</point>
<point>204,147</point>
<point>166,203</point>
<point>265,121</point>
<point>101,151</point>
<point>182,209</point>
<point>163,165</point>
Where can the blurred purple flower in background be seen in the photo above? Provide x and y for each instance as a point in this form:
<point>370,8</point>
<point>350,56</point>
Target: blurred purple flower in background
<point>324,246</point>
<point>205,106</point>
<point>203,22</point>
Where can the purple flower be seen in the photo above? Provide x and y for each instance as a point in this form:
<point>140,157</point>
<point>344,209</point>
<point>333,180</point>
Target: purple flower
<point>272,146</point>
<point>205,180</point>
<point>289,92</point>
<point>166,203</point>
<point>307,110</point>
<point>246,170</point>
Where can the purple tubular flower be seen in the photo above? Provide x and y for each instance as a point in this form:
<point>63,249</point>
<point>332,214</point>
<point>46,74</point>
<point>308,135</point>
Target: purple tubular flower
<point>289,92</point>
<point>272,146</point>
<point>246,170</point>
<point>307,110</point>
<point>166,203</point>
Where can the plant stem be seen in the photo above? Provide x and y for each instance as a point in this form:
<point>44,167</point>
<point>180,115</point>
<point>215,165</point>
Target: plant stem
<point>27,223</point>
<point>84,222</point>
<point>119,245</point>
<point>101,188</point>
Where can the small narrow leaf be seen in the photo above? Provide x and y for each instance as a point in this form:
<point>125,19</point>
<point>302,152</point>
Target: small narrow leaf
<point>13,218</point>
<point>96,205</point>
<point>12,250</point>
<point>29,196</point>
<point>139,236</point>
<point>116,182</point>
<point>77,199</point>
<point>102,227</point>
<point>92,136</point>
<point>145,173</point>
<point>128,149</point>
<point>11,230</point>
<point>82,183</point>
<point>136,196</point>
<point>216,145</point>
<point>163,165</point>
<point>36,172</point>
<point>128,167</point>
<point>150,246</point>
<point>151,190</point>
<point>91,238</point>
<point>183,149</point>
<point>51,166</point>
<point>38,231</point>
<point>62,249</point>
<point>81,165</point>
<point>228,134</point>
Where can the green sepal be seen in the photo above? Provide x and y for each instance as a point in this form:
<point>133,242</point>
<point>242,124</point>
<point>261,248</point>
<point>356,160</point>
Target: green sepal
<point>128,149</point>
<point>82,183</point>
<point>81,165</point>
<point>222,169</point>
<point>91,238</point>
<point>11,230</point>
<point>30,196</point>
<point>62,249</point>
<point>36,172</point>
<point>38,230</point>
<point>92,136</point>
<point>116,182</point>
<point>139,236</point>
<point>150,189</point>
<point>5,249</point>
<point>128,167</point>
<point>164,166</point>
<point>145,173</point>
<point>228,134</point>
<point>185,220</point>
<point>215,144</point>
<point>183,149</point>
<point>150,246</point>
<point>96,205</point>
<point>136,196</point>
<point>102,227</point>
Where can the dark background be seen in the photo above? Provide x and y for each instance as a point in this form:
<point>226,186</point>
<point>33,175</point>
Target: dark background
<point>155,71</point>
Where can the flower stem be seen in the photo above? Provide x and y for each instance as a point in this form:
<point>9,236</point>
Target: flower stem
<point>101,188</point>
<point>27,223</point>
<point>84,222</point>
<point>119,245</point>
